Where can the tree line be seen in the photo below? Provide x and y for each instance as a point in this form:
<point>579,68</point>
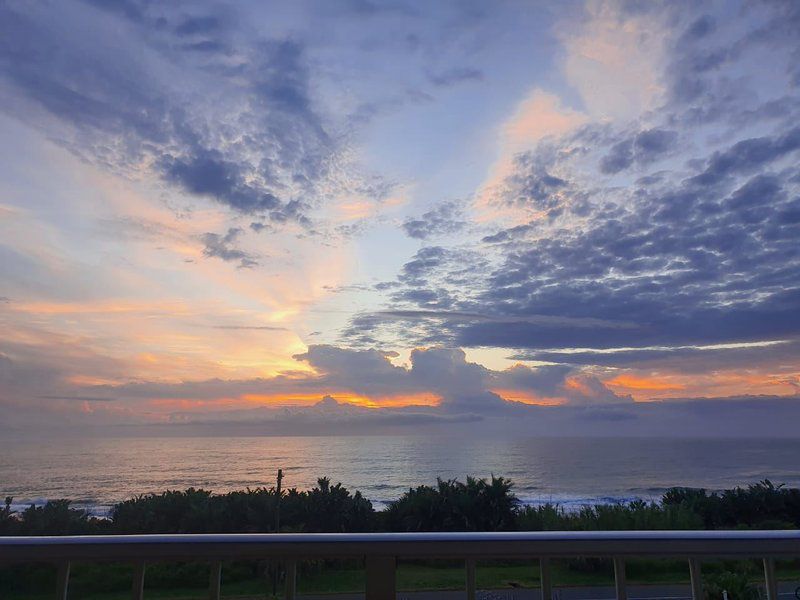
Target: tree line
<point>450,505</point>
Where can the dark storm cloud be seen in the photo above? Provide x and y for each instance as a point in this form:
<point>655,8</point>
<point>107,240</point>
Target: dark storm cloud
<point>223,247</point>
<point>110,92</point>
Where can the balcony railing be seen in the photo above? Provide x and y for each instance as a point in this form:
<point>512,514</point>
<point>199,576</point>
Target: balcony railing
<point>382,550</point>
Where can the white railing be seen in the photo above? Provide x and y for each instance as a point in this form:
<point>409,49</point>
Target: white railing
<point>381,551</point>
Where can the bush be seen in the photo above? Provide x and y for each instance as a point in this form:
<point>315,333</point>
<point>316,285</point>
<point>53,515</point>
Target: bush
<point>477,505</point>
<point>736,584</point>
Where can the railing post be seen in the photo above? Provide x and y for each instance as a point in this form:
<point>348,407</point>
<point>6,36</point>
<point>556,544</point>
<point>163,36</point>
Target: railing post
<point>771,581</point>
<point>470,572</point>
<point>291,579</point>
<point>381,578</point>
<point>215,580</point>
<point>696,578</point>
<point>619,578</point>
<point>138,582</point>
<point>545,579</point>
<point>62,581</point>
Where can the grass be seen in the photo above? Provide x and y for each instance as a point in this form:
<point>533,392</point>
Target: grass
<point>411,576</point>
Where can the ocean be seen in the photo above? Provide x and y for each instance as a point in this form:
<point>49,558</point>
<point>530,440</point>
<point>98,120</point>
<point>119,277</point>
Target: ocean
<point>97,472</point>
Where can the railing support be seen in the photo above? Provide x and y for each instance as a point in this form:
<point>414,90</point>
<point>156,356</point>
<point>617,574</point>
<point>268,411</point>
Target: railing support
<point>545,579</point>
<point>381,578</point>
<point>291,579</point>
<point>215,580</point>
<point>470,572</point>
<point>619,578</point>
<point>696,578</point>
<point>138,582</point>
<point>62,581</point>
<point>771,581</point>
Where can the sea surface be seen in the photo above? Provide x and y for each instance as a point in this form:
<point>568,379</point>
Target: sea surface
<point>97,472</point>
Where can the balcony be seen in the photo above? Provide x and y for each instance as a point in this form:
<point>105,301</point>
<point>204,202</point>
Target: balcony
<point>382,550</point>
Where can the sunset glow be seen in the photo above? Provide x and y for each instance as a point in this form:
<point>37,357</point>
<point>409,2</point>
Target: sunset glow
<point>327,212</point>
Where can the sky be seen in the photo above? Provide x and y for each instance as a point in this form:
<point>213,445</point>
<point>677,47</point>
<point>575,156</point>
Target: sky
<point>348,216</point>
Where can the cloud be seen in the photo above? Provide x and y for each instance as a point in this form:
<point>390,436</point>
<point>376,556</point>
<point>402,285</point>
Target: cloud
<point>222,247</point>
<point>539,115</point>
<point>445,372</point>
<point>125,92</point>
<point>205,173</point>
<point>471,396</point>
<point>250,327</point>
<point>747,156</point>
<point>471,317</point>
<point>80,398</point>
<point>201,25</point>
<point>532,187</point>
<point>638,226</point>
<point>683,359</point>
<point>455,75</point>
<point>679,272</point>
<point>691,244</point>
<point>439,378</point>
<point>447,218</point>
<point>642,148</point>
<point>614,57</point>
<point>741,417</point>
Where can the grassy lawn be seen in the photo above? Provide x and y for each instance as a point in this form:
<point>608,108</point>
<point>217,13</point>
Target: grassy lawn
<point>410,576</point>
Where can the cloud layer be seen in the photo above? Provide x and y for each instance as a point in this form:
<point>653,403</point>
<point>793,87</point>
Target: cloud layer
<point>441,213</point>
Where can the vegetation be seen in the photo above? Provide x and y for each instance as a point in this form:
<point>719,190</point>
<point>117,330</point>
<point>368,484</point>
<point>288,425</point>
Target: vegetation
<point>736,584</point>
<point>474,505</point>
<point>325,508</point>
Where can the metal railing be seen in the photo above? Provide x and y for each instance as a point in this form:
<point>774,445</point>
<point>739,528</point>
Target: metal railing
<point>382,550</point>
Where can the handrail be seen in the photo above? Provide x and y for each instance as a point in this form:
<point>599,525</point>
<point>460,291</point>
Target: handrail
<point>419,545</point>
<point>383,549</point>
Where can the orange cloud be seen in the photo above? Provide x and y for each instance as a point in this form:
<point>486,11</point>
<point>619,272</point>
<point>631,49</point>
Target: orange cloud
<point>615,60</point>
<point>101,307</point>
<point>291,399</point>
<point>715,384</point>
<point>632,382</point>
<point>539,115</point>
<point>527,397</point>
<point>306,399</point>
